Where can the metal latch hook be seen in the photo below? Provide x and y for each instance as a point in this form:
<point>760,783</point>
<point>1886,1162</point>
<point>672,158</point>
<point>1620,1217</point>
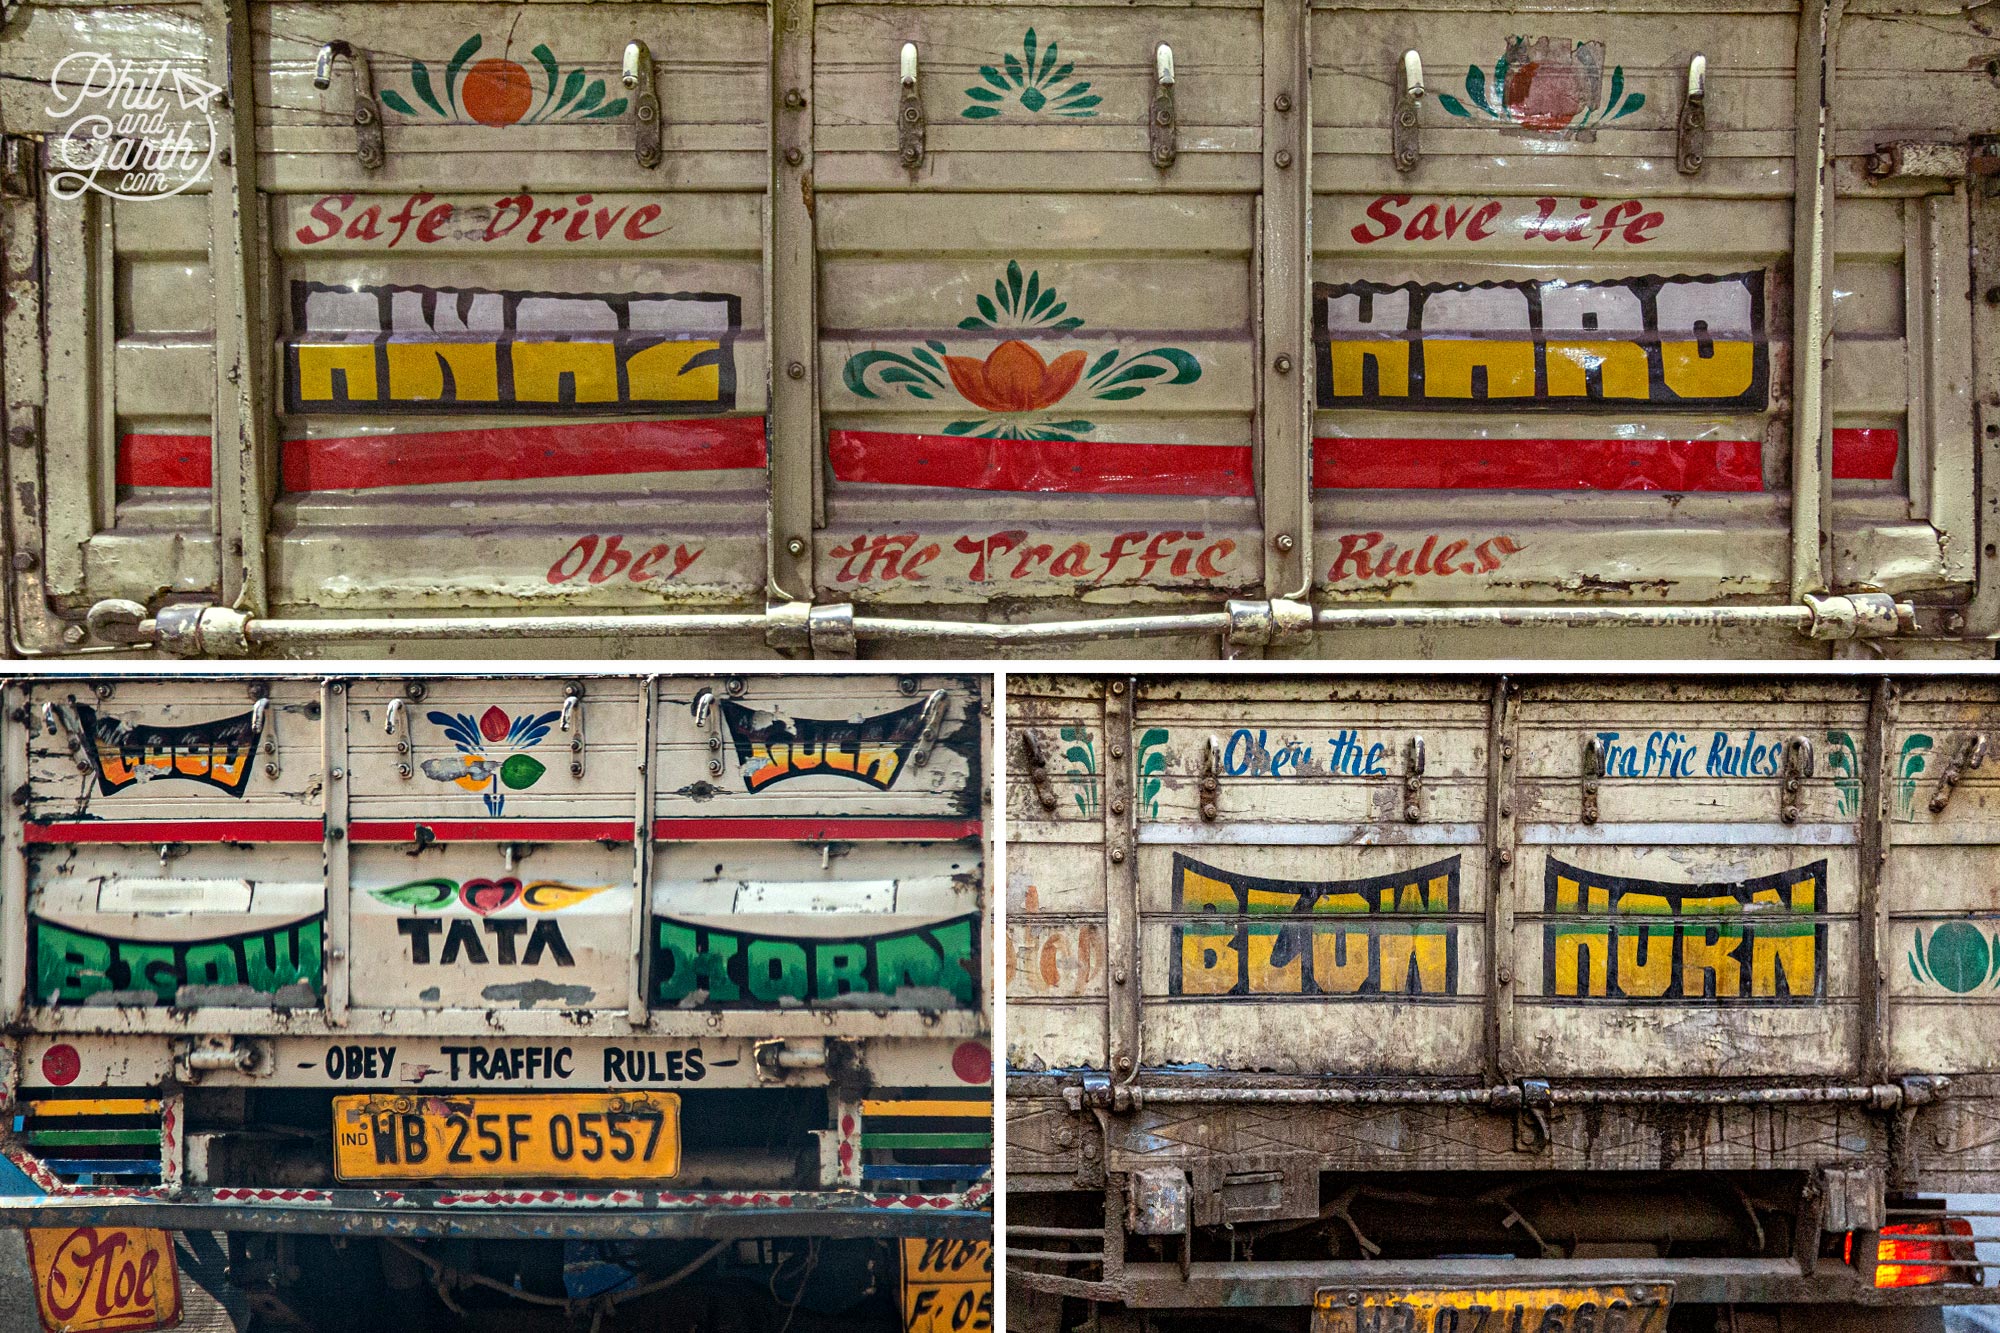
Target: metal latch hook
<point>393,716</point>
<point>1413,781</point>
<point>637,76</point>
<point>1211,779</point>
<point>1593,770</point>
<point>1163,124</point>
<point>1691,140</point>
<point>703,702</point>
<point>367,115</point>
<point>909,110</point>
<point>572,716</point>
<point>1403,144</point>
<point>933,717</point>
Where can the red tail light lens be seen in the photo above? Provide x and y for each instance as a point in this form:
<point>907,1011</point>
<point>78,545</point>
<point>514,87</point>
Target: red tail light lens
<point>1919,1254</point>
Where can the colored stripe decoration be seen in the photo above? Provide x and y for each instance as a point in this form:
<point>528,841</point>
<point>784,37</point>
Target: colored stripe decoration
<point>91,1133</point>
<point>194,830</point>
<point>456,457</point>
<point>927,1134</point>
<point>822,829</point>
<point>1339,463</point>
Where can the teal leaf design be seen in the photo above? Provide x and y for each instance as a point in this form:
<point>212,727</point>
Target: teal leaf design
<point>1015,75</point>
<point>992,76</point>
<point>1497,105</point>
<point>909,374</point>
<point>978,94</point>
<point>1013,286</point>
<point>1632,103</point>
<point>458,59</point>
<point>549,70</point>
<point>986,308</point>
<point>608,110</point>
<point>1099,366</point>
<point>1119,395</point>
<point>980,112</point>
<point>1034,81</point>
<point>571,87</point>
<point>1617,85</point>
<point>420,82</point>
<point>396,102</point>
<point>1452,106</point>
<point>1475,84</point>
<point>963,427</point>
<point>591,96</point>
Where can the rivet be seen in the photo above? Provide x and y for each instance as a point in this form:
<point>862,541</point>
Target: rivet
<point>1283,365</point>
<point>24,560</point>
<point>794,156</point>
<point>1118,687</point>
<point>1282,102</point>
<point>1283,158</point>
<point>1285,541</point>
<point>794,98</point>
<point>797,370</point>
<point>75,634</point>
<point>1117,855</point>
<point>1118,806</point>
<point>1117,752</point>
<point>1506,857</point>
<point>796,546</point>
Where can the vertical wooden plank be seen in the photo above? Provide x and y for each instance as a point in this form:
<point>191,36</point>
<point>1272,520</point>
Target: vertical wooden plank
<point>638,1004</point>
<point>1812,323</point>
<point>792,280</point>
<point>1121,884</point>
<point>1940,353</point>
<point>69,418</point>
<point>1502,805</point>
<point>1877,825</point>
<point>1285,262</point>
<point>243,404</point>
<point>339,882</point>
<point>13,858</point>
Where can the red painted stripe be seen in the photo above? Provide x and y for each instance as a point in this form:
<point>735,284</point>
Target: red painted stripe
<point>493,830</point>
<point>815,830</point>
<point>1538,465</point>
<point>186,830</point>
<point>1085,467</point>
<point>164,460</point>
<point>520,453</point>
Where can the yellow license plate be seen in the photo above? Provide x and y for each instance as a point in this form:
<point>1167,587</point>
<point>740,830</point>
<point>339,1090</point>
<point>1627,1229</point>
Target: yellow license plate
<point>947,1286</point>
<point>575,1136</point>
<point>1624,1309</point>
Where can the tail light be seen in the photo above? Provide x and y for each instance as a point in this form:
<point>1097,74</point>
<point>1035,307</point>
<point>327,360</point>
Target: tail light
<point>1925,1252</point>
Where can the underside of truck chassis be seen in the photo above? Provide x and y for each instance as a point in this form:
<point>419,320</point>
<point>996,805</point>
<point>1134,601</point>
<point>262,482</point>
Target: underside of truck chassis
<point>1757,1208</point>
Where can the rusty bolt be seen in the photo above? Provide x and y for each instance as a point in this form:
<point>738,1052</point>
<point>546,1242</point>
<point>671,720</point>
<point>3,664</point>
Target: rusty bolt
<point>1118,806</point>
<point>1118,687</point>
<point>796,546</point>
<point>225,157</point>
<point>1506,749</point>
<point>337,834</point>
<point>1124,1064</point>
<point>1283,157</point>
<point>1118,974</point>
<point>715,767</point>
<point>1283,365</point>
<point>1954,623</point>
<point>1282,102</point>
<point>1208,810</point>
<point>1506,807</point>
<point>1506,856</point>
<point>1412,812</point>
<point>1048,801</point>
<point>1285,541</point>
<point>794,156</point>
<point>270,770</point>
<point>1791,814</point>
<point>794,98</point>
<point>25,561</point>
<point>1117,855</point>
<point>797,370</point>
<point>22,437</point>
<point>75,634</point>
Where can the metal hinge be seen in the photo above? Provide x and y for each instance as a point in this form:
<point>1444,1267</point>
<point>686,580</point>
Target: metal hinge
<point>1691,136</point>
<point>927,732</point>
<point>1038,771</point>
<point>1211,778</point>
<point>572,722</point>
<point>19,166</point>
<point>823,631</point>
<point>1593,772</point>
<point>1278,622</point>
<point>910,125</point>
<point>1403,129</point>
<point>637,76</point>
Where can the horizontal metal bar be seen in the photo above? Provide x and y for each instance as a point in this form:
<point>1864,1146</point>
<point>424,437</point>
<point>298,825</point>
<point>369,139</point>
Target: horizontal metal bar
<point>1055,1256</point>
<point>193,630</point>
<point>1055,1233</point>
<point>1664,835</point>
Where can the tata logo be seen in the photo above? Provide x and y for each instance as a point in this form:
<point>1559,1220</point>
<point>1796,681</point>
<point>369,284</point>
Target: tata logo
<point>1670,343</point>
<point>772,749</point>
<point>217,754</point>
<point>1244,935</point>
<point>1607,937</point>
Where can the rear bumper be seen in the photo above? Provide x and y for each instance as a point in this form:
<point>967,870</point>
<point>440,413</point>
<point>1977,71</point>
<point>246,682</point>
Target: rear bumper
<point>518,1214</point>
<point>1695,1282</point>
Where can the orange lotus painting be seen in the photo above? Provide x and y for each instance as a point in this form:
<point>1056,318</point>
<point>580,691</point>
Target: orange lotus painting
<point>1014,378</point>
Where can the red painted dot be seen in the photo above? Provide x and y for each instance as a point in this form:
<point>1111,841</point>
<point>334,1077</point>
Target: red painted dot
<point>61,1064</point>
<point>972,1062</point>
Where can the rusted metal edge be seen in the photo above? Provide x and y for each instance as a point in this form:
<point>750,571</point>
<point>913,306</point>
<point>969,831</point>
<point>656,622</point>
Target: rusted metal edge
<point>196,630</point>
<point>846,1217</point>
<point>1509,1096</point>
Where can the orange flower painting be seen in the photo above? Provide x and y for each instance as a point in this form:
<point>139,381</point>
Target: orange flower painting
<point>1014,378</point>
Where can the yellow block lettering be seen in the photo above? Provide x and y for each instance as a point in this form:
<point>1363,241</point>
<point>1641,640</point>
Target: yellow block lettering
<point>539,368</point>
<point>1201,893</point>
<point>660,374</point>
<point>1392,367</point>
<point>1407,948</point>
<point>319,362</point>
<point>1727,371</point>
<point>1449,364</point>
<point>1622,364</point>
<point>1340,961</point>
<point>1265,979</point>
<point>416,372</point>
<point>1210,964</point>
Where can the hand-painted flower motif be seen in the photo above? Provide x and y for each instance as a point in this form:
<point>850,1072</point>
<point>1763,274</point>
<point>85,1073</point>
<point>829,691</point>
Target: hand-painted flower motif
<point>1014,380</point>
<point>1548,86</point>
<point>498,92</point>
<point>475,768</point>
<point>1036,88</point>
<point>1958,956</point>
<point>485,896</point>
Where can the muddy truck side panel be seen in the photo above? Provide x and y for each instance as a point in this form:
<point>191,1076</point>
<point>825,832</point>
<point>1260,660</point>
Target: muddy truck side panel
<point>905,328</point>
<point>1467,981</point>
<point>271,924</point>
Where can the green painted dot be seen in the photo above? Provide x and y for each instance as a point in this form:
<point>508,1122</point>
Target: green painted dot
<point>1959,956</point>
<point>521,771</point>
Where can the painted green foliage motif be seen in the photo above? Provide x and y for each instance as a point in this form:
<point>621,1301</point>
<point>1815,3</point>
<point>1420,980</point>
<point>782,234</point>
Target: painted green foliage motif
<point>1845,761</point>
<point>1035,87</point>
<point>1911,762</point>
<point>497,91</point>
<point>1547,85</point>
<point>1082,755</point>
<point>1152,763</point>
<point>1958,956</point>
<point>1014,387</point>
